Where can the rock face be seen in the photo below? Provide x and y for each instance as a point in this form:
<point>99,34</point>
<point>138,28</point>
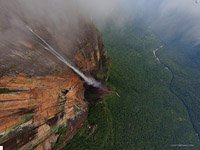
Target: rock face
<point>42,100</point>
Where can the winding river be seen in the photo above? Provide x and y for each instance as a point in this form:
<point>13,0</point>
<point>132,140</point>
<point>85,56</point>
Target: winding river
<point>171,88</point>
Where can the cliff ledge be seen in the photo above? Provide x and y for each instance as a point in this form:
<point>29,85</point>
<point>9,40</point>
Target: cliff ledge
<point>42,100</point>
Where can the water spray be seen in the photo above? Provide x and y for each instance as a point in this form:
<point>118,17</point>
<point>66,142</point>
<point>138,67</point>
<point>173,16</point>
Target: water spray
<point>89,80</point>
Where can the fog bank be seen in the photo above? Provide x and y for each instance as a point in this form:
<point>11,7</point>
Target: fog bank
<point>172,19</point>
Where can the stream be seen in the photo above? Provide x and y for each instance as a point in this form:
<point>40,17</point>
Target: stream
<point>171,88</point>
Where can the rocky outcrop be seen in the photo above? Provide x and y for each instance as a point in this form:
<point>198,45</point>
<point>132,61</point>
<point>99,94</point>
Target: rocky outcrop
<point>42,100</point>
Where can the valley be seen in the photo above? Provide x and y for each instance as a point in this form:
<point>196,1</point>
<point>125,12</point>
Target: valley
<point>99,75</point>
<point>171,88</point>
<point>148,114</point>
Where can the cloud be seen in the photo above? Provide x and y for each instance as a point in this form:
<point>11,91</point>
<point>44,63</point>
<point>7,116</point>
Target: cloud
<point>62,19</point>
<point>169,18</point>
<point>172,19</point>
<point>57,12</point>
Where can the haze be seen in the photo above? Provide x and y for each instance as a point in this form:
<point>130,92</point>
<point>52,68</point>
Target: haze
<point>169,18</point>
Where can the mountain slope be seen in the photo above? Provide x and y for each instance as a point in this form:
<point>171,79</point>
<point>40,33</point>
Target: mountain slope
<point>147,115</point>
<point>42,100</point>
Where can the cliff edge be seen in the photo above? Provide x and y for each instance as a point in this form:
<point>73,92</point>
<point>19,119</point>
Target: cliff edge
<point>42,100</point>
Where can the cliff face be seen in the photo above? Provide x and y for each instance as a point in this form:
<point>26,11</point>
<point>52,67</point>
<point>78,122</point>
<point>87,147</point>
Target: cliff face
<point>42,100</point>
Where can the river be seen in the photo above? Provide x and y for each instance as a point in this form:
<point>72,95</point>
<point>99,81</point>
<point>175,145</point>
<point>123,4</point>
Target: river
<point>172,91</point>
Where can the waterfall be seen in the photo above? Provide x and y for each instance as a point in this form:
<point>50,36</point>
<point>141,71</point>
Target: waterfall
<point>88,80</point>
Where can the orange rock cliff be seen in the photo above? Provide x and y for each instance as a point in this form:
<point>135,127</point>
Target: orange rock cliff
<point>42,100</point>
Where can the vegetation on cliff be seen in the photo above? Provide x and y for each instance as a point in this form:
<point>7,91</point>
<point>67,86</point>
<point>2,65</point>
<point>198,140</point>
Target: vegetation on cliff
<point>43,107</point>
<point>147,115</point>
